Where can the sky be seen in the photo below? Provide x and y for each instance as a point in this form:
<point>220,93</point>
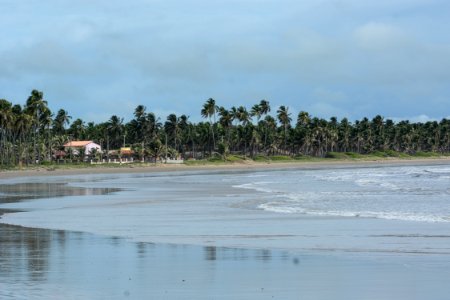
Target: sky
<point>343,58</point>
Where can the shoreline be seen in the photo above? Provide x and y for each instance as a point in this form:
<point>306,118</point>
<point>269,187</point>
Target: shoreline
<point>319,164</point>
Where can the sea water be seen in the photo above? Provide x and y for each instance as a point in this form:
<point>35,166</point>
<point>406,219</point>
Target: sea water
<point>348,209</point>
<point>420,193</point>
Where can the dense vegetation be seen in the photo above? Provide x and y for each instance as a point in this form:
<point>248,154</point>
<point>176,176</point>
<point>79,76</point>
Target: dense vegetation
<point>32,134</point>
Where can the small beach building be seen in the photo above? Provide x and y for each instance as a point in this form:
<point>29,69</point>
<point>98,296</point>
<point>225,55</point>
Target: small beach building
<point>87,146</point>
<point>126,152</point>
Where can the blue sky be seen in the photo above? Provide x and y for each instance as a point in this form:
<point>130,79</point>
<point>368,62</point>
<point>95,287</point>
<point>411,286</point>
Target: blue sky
<point>344,58</point>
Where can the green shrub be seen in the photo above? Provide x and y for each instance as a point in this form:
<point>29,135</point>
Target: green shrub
<point>425,154</point>
<point>280,158</point>
<point>261,158</point>
<point>235,158</point>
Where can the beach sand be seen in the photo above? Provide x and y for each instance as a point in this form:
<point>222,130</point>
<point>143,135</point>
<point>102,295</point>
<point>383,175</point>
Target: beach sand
<point>171,236</point>
<point>48,264</point>
<point>136,168</point>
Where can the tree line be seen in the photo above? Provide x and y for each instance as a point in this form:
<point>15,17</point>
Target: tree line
<point>32,133</point>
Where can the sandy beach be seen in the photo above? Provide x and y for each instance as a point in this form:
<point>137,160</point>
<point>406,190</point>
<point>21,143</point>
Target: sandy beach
<point>314,230</point>
<point>136,168</point>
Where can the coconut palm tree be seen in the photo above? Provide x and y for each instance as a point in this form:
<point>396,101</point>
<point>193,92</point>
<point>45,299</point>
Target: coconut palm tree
<point>284,116</point>
<point>45,122</point>
<point>344,132</point>
<point>256,112</point>
<point>61,120</point>
<point>34,107</point>
<point>226,121</point>
<point>77,129</point>
<point>173,128</point>
<point>6,123</point>
<point>243,116</point>
<point>264,107</point>
<point>303,131</point>
<point>208,111</point>
<point>115,130</point>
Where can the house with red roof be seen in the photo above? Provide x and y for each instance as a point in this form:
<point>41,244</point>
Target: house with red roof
<point>87,146</point>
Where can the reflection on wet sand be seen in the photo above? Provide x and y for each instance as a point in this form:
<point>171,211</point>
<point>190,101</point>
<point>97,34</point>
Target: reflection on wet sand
<point>48,264</point>
<point>24,252</point>
<point>33,259</point>
<point>221,253</point>
<point>26,191</point>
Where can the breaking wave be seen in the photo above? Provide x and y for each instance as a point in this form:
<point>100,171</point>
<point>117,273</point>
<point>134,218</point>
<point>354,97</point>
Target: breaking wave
<point>419,194</point>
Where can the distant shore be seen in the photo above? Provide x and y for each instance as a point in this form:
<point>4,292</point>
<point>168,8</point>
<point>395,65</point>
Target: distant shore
<point>245,165</point>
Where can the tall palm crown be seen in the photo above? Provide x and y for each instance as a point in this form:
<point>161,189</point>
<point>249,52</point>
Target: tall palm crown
<point>36,105</point>
<point>256,111</point>
<point>264,107</point>
<point>226,117</point>
<point>62,118</point>
<point>77,129</point>
<point>243,116</point>
<point>115,129</point>
<point>6,114</point>
<point>209,110</point>
<point>173,128</point>
<point>284,116</point>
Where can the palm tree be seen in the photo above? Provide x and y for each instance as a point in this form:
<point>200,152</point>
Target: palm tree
<point>35,106</point>
<point>152,125</point>
<point>61,120</point>
<point>244,118</point>
<point>77,129</point>
<point>209,110</point>
<point>261,109</point>
<point>115,130</point>
<point>173,128</point>
<point>256,111</point>
<point>226,121</point>
<point>139,122</point>
<point>344,131</point>
<point>378,130</point>
<point>6,122</point>
<point>46,121</point>
<point>303,131</point>
<point>332,134</point>
<point>284,116</point>
<point>264,109</point>
<point>21,128</point>
<point>185,133</point>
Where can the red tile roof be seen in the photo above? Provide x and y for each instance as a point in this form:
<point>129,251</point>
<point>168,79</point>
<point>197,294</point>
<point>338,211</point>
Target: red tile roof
<point>77,143</point>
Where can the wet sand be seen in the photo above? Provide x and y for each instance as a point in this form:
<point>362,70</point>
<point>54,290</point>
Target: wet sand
<point>49,264</point>
<point>57,264</point>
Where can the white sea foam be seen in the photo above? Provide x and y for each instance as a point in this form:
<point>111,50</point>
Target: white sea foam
<point>401,193</point>
<point>278,207</point>
<point>376,182</point>
<point>260,186</point>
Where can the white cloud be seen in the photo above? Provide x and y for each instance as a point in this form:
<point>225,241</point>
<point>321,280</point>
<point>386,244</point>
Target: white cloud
<point>380,36</point>
<point>368,58</point>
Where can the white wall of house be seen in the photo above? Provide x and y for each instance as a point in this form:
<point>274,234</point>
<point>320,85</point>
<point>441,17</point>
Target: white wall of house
<point>87,149</point>
<point>91,146</point>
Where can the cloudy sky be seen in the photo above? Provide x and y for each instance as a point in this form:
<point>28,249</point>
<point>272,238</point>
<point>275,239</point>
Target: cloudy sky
<point>344,58</point>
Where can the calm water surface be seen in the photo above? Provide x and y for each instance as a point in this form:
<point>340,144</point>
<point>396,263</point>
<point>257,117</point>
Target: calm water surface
<point>47,264</point>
